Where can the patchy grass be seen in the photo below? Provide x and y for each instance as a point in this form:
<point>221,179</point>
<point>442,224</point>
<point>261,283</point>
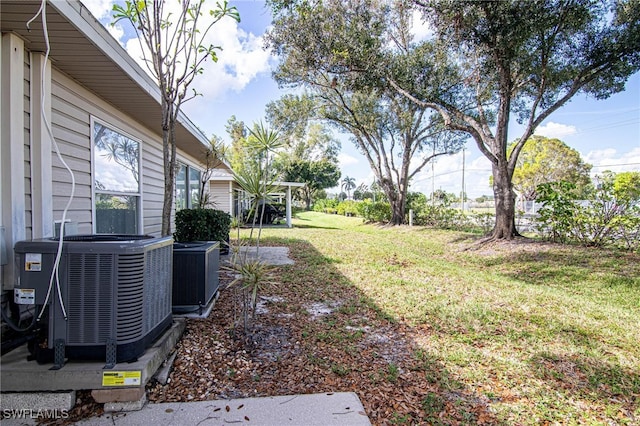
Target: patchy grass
<point>429,328</point>
<point>544,332</point>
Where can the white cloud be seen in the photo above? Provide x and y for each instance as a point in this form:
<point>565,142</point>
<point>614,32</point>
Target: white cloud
<point>241,57</point>
<point>345,160</point>
<point>555,130</point>
<point>611,159</point>
<point>99,8</point>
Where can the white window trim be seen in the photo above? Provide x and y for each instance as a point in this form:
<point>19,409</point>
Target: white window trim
<point>139,194</point>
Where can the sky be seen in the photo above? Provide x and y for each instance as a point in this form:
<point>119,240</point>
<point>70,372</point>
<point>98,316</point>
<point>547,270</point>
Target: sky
<point>605,132</point>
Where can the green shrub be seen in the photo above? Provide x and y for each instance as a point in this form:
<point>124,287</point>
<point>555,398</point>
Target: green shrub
<point>202,225</point>
<point>374,212</point>
<point>347,208</point>
<point>608,218</point>
<point>324,204</point>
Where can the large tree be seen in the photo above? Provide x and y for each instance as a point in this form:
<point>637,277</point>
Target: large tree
<point>524,60</point>
<point>174,48</point>
<point>487,62</point>
<point>316,175</point>
<point>544,160</point>
<point>397,137</point>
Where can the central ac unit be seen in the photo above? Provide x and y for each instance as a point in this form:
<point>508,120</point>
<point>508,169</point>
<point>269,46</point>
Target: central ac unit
<point>115,291</point>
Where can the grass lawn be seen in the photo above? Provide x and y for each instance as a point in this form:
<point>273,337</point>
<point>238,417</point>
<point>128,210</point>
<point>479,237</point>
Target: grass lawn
<point>429,328</point>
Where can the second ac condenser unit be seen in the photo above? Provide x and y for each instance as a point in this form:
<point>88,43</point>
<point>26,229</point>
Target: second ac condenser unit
<point>195,275</point>
<point>115,290</point>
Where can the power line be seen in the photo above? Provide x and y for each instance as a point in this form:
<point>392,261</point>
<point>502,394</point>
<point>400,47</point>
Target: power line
<point>616,165</point>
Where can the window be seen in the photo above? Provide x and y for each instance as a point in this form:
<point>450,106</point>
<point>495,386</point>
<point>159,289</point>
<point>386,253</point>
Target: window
<point>116,181</point>
<point>194,186</point>
<point>181,188</point>
<point>187,187</point>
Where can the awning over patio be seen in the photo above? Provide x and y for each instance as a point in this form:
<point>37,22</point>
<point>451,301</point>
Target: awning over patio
<point>286,187</point>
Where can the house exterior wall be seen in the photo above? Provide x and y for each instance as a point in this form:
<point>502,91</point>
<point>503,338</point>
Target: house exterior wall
<point>73,107</point>
<point>35,183</point>
<point>220,195</point>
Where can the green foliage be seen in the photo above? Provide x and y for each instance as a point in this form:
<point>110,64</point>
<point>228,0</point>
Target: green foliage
<point>378,212</point>
<point>484,220</point>
<point>252,275</point>
<point>347,208</point>
<point>442,216</point>
<point>626,187</point>
<point>326,205</point>
<point>610,217</point>
<point>316,175</point>
<point>544,160</point>
<point>202,225</point>
<point>439,214</point>
<point>555,218</point>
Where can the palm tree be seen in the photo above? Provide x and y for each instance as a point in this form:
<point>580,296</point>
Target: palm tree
<point>348,183</point>
<point>263,141</point>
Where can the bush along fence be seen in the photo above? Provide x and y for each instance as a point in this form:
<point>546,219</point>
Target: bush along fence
<point>611,218</point>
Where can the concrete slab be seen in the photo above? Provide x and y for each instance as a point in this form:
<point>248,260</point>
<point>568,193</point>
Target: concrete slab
<point>20,375</point>
<point>271,255</point>
<point>117,407</point>
<point>326,409</point>
<point>196,312</point>
<point>38,401</point>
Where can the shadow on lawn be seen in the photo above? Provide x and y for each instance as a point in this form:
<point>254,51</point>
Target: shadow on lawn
<point>554,264</point>
<point>586,377</point>
<point>316,332</point>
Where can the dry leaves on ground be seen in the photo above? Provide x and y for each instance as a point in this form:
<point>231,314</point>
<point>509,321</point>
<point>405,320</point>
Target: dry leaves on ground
<point>302,345</point>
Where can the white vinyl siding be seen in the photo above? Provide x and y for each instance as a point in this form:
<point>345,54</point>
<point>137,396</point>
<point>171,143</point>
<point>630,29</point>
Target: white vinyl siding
<point>219,194</point>
<point>72,109</point>
<point>71,130</point>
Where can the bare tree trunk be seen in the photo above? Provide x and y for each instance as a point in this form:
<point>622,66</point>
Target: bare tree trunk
<point>505,202</point>
<point>169,157</point>
<point>168,165</point>
<point>396,200</point>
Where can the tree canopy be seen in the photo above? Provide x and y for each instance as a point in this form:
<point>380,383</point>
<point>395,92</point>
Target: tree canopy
<point>316,175</point>
<point>544,160</point>
<point>485,63</point>
<point>396,136</point>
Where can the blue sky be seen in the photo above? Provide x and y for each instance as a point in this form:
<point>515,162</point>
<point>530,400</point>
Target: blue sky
<point>606,133</point>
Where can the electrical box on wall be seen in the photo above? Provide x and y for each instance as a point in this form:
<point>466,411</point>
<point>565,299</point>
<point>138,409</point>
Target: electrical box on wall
<point>4,258</point>
<point>70,228</point>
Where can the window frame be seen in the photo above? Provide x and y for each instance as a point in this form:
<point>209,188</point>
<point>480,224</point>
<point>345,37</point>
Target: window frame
<point>187,182</point>
<point>95,192</point>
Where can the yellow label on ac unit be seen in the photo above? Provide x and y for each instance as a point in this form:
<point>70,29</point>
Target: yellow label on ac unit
<point>121,378</point>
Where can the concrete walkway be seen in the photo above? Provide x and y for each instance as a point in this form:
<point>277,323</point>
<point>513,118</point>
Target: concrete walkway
<point>323,409</point>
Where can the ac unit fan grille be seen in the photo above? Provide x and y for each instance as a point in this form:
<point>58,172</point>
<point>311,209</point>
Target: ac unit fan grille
<point>157,300</point>
<point>90,295</point>
<point>130,313</point>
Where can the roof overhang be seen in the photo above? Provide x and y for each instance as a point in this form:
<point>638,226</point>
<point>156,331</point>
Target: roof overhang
<point>84,50</point>
<point>288,184</point>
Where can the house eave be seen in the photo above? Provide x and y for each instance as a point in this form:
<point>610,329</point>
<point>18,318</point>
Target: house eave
<point>83,49</point>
